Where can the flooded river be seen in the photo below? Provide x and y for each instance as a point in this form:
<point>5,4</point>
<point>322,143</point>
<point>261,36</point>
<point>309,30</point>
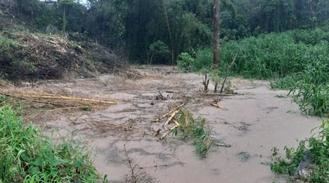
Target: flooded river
<point>251,123</point>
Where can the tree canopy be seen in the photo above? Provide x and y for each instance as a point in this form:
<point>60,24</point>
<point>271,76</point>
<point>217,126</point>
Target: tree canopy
<point>137,27</point>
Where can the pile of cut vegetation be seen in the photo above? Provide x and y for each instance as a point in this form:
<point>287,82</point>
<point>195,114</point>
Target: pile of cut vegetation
<point>28,56</point>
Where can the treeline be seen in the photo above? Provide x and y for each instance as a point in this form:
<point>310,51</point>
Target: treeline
<point>157,31</point>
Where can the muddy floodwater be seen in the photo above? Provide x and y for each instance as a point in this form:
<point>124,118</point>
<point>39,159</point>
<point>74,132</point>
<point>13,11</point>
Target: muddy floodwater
<point>250,124</point>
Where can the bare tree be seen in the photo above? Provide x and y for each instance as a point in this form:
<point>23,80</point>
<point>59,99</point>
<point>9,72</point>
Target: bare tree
<point>216,43</point>
<point>165,12</point>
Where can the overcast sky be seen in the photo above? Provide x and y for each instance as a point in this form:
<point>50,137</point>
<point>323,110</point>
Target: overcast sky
<point>81,1</point>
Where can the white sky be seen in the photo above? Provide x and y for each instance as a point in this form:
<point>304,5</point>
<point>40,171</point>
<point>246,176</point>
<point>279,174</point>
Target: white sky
<point>81,1</point>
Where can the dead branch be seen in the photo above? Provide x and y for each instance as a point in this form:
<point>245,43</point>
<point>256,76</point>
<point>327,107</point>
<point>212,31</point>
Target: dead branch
<point>160,96</point>
<point>223,145</point>
<point>220,95</point>
<point>169,131</point>
<point>217,105</point>
<point>133,176</point>
<point>170,112</point>
<point>229,68</point>
<point>205,83</point>
<point>172,116</point>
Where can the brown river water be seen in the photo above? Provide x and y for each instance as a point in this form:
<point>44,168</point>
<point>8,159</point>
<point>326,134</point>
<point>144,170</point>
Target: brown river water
<point>251,123</point>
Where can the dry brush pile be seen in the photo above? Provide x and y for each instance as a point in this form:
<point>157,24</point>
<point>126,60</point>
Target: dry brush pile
<point>28,56</point>
<point>48,101</point>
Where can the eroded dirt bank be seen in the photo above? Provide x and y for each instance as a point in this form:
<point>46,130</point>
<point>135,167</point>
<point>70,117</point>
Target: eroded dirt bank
<point>252,123</point>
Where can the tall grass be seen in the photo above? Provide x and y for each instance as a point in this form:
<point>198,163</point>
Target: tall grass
<point>27,156</point>
<point>296,60</point>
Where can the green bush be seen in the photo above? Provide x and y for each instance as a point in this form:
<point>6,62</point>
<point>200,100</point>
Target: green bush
<point>288,82</point>
<point>185,62</point>
<point>7,44</point>
<point>203,61</point>
<point>159,52</point>
<point>11,59</point>
<point>266,56</point>
<point>312,155</point>
<point>26,156</point>
<point>195,130</point>
<point>311,91</point>
<point>310,37</point>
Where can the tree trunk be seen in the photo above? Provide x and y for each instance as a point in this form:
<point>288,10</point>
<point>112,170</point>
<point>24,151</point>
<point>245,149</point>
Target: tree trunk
<point>216,33</point>
<point>169,32</point>
<point>64,19</point>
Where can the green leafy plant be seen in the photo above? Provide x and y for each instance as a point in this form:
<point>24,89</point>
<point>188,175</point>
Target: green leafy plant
<point>195,130</point>
<point>311,156</point>
<point>159,52</point>
<point>311,91</point>
<point>185,62</point>
<point>288,82</point>
<point>203,61</point>
<point>26,156</point>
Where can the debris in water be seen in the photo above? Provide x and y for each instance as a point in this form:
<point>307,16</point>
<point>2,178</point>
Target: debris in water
<point>57,100</point>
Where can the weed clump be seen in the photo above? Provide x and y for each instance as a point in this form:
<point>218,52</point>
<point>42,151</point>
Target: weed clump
<point>309,161</point>
<point>26,156</point>
<point>195,130</point>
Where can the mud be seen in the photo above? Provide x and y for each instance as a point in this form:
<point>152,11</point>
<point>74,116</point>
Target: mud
<point>251,123</point>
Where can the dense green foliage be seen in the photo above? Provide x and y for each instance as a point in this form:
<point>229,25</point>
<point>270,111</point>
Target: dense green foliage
<point>312,155</point>
<point>297,60</point>
<point>26,156</point>
<point>312,88</point>
<point>133,26</point>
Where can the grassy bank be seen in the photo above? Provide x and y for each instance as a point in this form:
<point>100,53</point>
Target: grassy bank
<point>27,156</point>
<point>295,60</point>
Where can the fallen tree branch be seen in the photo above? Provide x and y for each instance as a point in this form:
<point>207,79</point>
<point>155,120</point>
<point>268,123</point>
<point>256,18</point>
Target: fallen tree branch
<point>169,113</point>
<point>169,131</point>
<point>171,117</point>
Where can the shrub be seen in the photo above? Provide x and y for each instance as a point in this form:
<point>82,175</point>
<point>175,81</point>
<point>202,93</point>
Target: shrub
<point>159,52</point>
<point>27,156</point>
<point>312,156</point>
<point>185,62</point>
<point>195,130</point>
<point>312,37</point>
<point>288,82</point>
<point>203,61</point>
<point>266,56</point>
<point>312,89</point>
